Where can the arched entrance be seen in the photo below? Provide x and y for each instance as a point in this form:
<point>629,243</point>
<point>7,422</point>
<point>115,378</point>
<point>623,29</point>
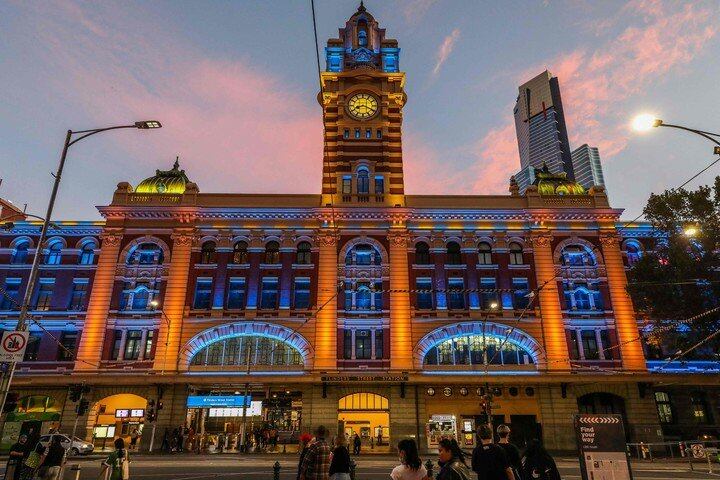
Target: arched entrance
<point>368,416</point>
<point>604,403</point>
<point>117,416</point>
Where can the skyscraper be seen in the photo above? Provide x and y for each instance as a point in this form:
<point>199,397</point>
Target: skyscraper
<point>541,131</point>
<point>587,166</point>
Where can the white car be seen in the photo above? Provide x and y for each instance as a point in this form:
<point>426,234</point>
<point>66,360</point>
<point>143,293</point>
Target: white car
<point>76,447</point>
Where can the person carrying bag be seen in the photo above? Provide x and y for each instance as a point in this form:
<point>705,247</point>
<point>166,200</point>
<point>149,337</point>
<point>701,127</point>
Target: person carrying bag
<point>117,464</point>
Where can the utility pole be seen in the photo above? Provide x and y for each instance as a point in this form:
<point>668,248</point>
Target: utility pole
<point>245,397</point>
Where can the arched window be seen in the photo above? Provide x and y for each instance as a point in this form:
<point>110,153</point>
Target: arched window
<point>263,351</point>
<point>516,254</point>
<point>363,182</point>
<point>362,33</point>
<point>141,297</point>
<point>207,254</point>
<point>422,253</point>
<point>581,295</point>
<point>240,252</point>
<point>577,256</point>
<point>146,254</point>
<point>453,254</point>
<point>633,252</point>
<point>362,254</point>
<point>484,254</point>
<point>20,253</point>
<point>272,252</point>
<point>87,254</point>
<point>478,350</point>
<point>304,255</point>
<point>54,254</point>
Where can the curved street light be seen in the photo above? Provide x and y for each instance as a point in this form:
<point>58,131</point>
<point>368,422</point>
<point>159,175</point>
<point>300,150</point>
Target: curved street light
<point>34,270</point>
<point>646,121</point>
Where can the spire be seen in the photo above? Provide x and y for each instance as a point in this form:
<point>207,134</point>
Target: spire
<point>361,8</point>
<point>176,165</point>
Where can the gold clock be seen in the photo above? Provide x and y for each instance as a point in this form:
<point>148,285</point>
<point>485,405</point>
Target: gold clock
<point>362,106</point>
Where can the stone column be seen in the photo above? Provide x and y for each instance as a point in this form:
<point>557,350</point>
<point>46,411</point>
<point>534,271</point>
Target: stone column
<point>173,305</point>
<point>555,342</point>
<point>326,320</point>
<point>90,349</point>
<point>625,320</point>
<point>401,355</point>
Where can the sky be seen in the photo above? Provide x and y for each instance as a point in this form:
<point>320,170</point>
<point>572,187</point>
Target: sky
<point>235,83</point>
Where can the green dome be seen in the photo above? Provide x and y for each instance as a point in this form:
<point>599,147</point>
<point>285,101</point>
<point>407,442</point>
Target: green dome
<point>165,181</point>
<point>556,183</point>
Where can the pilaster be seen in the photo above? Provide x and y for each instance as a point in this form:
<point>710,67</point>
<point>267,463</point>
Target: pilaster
<point>401,357</point>
<point>326,320</point>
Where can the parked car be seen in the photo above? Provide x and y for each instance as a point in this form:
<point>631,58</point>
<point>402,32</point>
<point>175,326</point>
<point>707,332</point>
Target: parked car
<point>76,447</point>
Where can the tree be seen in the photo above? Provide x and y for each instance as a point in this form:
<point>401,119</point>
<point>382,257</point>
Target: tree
<point>680,278</point>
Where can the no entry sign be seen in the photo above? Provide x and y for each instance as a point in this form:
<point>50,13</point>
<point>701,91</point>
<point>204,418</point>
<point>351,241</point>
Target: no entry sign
<point>12,346</point>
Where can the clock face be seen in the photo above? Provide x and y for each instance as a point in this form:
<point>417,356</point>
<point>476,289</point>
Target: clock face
<point>362,106</point>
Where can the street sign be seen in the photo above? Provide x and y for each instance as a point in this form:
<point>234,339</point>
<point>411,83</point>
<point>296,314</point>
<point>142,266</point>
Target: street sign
<point>601,440</point>
<point>12,346</point>
<point>698,450</point>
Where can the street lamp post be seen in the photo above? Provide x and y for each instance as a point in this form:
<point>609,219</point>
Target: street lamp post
<point>34,270</point>
<point>645,122</point>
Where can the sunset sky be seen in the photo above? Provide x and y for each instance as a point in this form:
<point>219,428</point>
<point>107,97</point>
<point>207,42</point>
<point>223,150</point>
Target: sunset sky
<point>235,83</point>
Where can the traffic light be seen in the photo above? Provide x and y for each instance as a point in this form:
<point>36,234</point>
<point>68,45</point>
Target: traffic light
<point>11,401</point>
<point>159,405</point>
<point>82,407</point>
<point>76,392</point>
<point>150,414</point>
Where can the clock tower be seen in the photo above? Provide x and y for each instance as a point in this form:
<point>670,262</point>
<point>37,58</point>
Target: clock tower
<point>363,93</point>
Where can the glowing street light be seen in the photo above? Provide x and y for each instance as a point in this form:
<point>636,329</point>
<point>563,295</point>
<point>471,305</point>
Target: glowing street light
<point>646,121</point>
<point>493,305</point>
<point>690,231</point>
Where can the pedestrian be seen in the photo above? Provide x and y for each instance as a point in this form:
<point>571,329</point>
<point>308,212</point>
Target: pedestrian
<point>316,464</point>
<point>511,451</point>
<point>411,467</point>
<point>537,464</point>
<point>340,462</point>
<point>32,461</point>
<point>134,435</point>
<point>16,458</point>
<point>165,446</point>
<point>53,459</point>
<point>489,460</point>
<point>305,439</point>
<point>357,444</point>
<point>117,464</point>
<point>451,461</point>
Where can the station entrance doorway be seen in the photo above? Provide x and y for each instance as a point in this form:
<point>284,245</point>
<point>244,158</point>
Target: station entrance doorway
<point>366,415</point>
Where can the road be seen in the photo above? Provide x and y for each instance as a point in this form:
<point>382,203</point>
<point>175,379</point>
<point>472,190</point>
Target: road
<point>233,467</point>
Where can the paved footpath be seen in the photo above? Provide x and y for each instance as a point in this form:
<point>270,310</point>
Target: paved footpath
<point>235,467</point>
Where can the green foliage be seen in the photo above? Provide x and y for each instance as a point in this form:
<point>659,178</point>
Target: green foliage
<point>691,262</point>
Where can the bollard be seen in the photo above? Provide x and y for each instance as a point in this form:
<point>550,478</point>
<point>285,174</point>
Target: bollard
<point>429,468</point>
<point>76,468</point>
<point>276,471</point>
<point>353,465</point>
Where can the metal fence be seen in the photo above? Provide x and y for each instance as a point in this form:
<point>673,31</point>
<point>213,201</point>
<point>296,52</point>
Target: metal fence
<point>683,450</point>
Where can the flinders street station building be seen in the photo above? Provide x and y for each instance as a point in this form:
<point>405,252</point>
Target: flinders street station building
<point>359,308</point>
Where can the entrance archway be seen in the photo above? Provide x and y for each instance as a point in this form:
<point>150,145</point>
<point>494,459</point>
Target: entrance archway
<point>117,416</point>
<point>603,403</point>
<point>368,416</point>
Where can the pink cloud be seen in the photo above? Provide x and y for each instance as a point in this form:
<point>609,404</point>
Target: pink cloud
<point>445,50</point>
<point>414,10</point>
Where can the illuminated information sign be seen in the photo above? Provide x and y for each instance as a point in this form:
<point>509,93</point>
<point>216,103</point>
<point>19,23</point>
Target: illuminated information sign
<point>217,401</point>
<point>601,439</point>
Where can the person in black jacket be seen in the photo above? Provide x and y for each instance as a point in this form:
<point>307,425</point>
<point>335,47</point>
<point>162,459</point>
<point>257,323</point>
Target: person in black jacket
<point>537,464</point>
<point>451,461</point>
<point>340,463</point>
<point>511,451</point>
<point>489,460</point>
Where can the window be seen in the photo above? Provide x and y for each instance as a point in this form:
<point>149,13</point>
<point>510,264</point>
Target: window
<point>362,38</point>
<point>363,182</point>
<point>240,252</point>
<point>346,133</point>
<point>32,349</point>
<point>379,184</point>
<point>54,254</point>
<point>363,296</point>
<point>363,254</point>
<point>521,289</point>
<point>148,350</point>
<point>453,254</point>
<point>236,294</point>
<point>577,256</point>
<point>516,254</point>
<point>379,134</point>
<point>11,299</point>
<point>363,344</point>
<point>422,253</point>
<point>45,293</point>
<point>589,344</point>
<point>456,293</point>
<point>607,344</point>
<point>488,293</point>
<point>147,254</point>
<point>424,294</point>
<point>378,344</point>
<point>357,133</point>
<point>573,345</point>
<point>664,407</point>
<point>20,253</point>
<point>477,350</point>
<point>207,253</point>
<point>346,185</point>
<point>203,291</point>
<point>141,297</point>
<point>347,344</point>
<point>132,345</point>
<point>302,293</point>
<point>269,296</point>
<point>700,408</point>
<point>233,351</point>
<point>304,254</point>
<point>272,253</point>
<point>368,133</point>
<point>68,342</point>
<point>484,254</point>
<point>87,254</point>
<point>79,292</point>
<point>633,252</point>
<point>117,341</point>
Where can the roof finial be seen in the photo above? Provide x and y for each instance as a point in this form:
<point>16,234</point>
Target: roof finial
<point>361,8</point>
<point>176,165</point>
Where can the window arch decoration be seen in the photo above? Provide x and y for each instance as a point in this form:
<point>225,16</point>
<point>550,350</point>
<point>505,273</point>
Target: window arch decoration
<point>270,331</point>
<point>208,252</point>
<point>20,250</point>
<point>350,244</point>
<point>87,252</point>
<point>363,180</point>
<point>575,242</point>
<point>454,252</point>
<point>518,338</point>
<point>240,254</point>
<point>485,253</point>
<point>85,240</point>
<point>271,254</point>
<point>633,250</point>
<point>422,253</point>
<point>130,248</point>
<point>52,253</point>
<point>303,253</point>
